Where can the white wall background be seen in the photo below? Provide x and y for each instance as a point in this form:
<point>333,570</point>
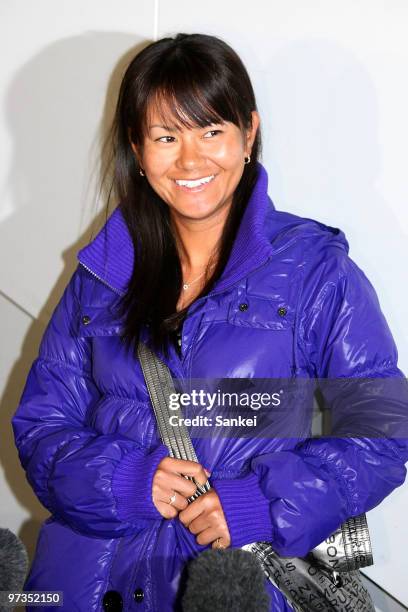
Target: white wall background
<point>330,79</point>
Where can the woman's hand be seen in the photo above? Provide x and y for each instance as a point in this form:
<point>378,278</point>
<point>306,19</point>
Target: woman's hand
<point>205,518</point>
<point>168,480</point>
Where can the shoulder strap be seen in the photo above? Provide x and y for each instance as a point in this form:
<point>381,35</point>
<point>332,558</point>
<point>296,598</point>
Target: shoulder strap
<point>160,386</point>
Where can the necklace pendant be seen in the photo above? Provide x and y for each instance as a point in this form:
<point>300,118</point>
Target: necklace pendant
<point>186,286</point>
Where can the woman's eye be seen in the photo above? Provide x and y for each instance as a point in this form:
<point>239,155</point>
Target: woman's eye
<point>161,138</point>
<point>213,132</point>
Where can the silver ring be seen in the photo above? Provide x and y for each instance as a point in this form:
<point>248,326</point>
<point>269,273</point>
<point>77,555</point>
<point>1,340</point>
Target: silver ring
<point>172,498</point>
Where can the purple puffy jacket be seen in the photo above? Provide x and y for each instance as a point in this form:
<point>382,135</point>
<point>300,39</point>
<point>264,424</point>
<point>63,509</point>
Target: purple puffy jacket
<point>87,436</point>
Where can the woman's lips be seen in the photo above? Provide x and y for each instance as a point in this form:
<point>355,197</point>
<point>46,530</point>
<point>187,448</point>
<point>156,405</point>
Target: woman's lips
<point>201,187</point>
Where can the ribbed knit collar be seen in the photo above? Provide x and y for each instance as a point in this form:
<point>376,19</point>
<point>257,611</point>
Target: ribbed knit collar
<point>110,255</point>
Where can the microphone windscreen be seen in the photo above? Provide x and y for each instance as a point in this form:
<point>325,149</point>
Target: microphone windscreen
<point>13,561</point>
<point>225,579</point>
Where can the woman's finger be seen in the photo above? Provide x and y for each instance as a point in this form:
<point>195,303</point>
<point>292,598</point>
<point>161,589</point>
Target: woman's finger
<point>219,543</point>
<point>166,510</point>
<point>219,539</point>
<point>164,481</point>
<point>207,536</point>
<point>193,510</point>
<point>185,467</point>
<point>180,502</point>
<point>199,524</point>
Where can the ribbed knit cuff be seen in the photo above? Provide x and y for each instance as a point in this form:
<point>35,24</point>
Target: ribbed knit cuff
<point>246,510</point>
<point>132,484</point>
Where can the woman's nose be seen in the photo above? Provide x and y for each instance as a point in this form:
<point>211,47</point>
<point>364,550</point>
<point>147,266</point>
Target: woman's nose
<point>190,156</point>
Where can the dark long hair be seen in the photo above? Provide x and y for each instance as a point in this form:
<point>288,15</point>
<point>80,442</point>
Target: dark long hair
<point>202,80</point>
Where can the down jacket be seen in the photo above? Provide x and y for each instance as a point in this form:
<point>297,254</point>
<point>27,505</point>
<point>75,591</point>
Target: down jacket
<point>290,304</point>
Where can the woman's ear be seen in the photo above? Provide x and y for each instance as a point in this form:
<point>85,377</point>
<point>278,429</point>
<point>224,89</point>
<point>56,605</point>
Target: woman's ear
<point>251,132</point>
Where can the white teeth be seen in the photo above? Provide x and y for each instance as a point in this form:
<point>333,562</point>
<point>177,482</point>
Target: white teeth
<point>196,183</point>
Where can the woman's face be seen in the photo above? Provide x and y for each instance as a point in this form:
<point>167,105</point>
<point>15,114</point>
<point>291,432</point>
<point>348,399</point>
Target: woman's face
<point>214,153</point>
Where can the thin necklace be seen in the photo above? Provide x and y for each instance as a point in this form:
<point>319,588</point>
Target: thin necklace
<point>186,286</point>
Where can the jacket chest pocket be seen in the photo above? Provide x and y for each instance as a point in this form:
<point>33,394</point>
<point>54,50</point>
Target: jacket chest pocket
<point>254,340</point>
<point>262,333</point>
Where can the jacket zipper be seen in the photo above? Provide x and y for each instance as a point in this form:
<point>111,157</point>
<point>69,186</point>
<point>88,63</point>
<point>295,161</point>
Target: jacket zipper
<point>101,279</point>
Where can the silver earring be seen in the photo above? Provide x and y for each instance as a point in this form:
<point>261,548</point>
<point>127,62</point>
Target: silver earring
<point>247,159</point>
<point>141,172</point>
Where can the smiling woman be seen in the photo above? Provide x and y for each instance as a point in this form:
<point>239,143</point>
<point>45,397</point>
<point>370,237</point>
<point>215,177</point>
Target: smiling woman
<point>195,161</point>
<point>196,243</point>
<point>196,172</point>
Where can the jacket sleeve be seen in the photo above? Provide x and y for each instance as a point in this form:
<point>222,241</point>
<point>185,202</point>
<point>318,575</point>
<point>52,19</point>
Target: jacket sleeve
<point>300,496</point>
<point>98,484</point>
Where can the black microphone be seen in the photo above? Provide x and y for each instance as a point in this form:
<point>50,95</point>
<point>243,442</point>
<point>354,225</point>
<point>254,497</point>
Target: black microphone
<point>13,562</point>
<point>225,579</point>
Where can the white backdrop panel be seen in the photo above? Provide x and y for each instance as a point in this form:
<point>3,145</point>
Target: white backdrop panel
<point>64,60</point>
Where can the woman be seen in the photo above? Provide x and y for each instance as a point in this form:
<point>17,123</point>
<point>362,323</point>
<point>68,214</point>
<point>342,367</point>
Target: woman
<point>196,261</point>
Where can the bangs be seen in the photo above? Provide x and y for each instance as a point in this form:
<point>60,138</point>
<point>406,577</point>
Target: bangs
<point>180,101</point>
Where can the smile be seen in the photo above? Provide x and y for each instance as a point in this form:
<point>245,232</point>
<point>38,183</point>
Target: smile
<point>196,185</point>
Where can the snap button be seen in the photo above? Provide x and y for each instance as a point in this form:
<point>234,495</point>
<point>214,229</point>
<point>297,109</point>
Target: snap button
<point>282,311</point>
<point>112,601</point>
<point>86,319</point>
<point>243,306</point>
<point>138,595</point>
